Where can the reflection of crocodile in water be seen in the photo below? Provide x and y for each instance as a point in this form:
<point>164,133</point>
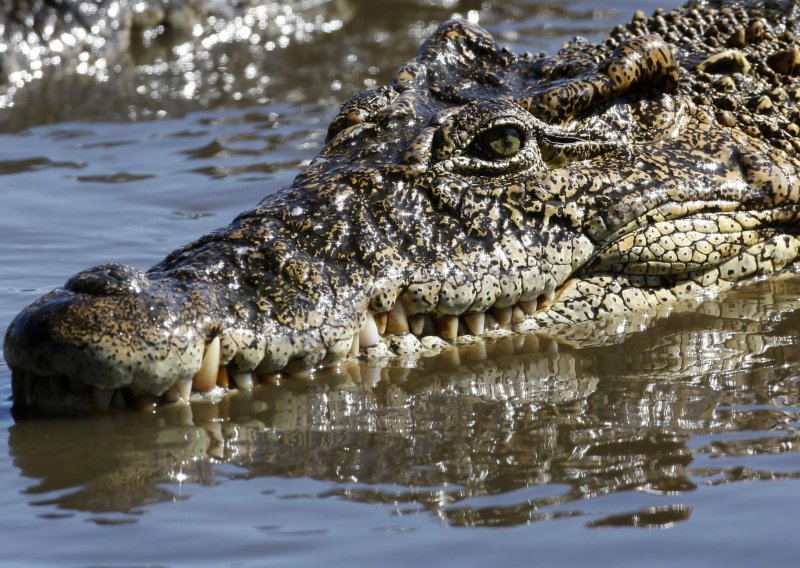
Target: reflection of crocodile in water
<point>480,192</point>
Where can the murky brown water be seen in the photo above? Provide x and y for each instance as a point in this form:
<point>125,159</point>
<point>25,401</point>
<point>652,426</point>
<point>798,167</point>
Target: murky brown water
<point>676,446</point>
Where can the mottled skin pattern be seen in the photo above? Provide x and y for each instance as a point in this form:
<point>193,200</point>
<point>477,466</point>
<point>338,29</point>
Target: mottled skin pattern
<point>535,190</point>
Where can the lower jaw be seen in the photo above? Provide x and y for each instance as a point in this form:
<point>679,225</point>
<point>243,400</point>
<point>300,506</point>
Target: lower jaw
<point>417,335</point>
<point>54,395</point>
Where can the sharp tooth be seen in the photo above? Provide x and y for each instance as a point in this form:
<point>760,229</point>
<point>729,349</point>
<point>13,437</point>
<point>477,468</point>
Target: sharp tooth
<point>354,347</point>
<point>223,378</point>
<point>380,322</point>
<point>448,327</point>
<point>185,389</point>
<point>503,315</point>
<point>475,323</point>
<point>529,307</point>
<point>101,398</point>
<point>244,381</point>
<point>397,321</point>
<point>517,315</point>
<point>551,295</point>
<point>490,322</point>
<point>206,377</point>
<point>416,324</point>
<point>369,335</point>
<point>180,391</point>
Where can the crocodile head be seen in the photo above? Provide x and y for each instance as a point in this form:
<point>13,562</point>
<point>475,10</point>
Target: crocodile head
<point>479,190</point>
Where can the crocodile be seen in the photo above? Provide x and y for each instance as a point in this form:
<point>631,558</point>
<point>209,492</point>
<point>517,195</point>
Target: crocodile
<point>481,192</point>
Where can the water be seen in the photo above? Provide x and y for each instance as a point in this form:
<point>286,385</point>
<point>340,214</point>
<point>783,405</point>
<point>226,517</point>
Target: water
<point>678,446</point>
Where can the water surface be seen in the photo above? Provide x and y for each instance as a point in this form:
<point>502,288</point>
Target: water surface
<point>678,445</point>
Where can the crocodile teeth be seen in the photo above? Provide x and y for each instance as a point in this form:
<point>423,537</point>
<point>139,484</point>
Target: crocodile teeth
<point>503,315</point>
<point>397,322</point>
<point>416,324</point>
<point>529,307</point>
<point>244,381</point>
<point>185,389</point>
<point>206,377</point>
<point>181,390</point>
<point>448,327</point>
<point>475,323</point>
<point>223,379</point>
<point>354,346</point>
<point>517,314</point>
<point>369,335</point>
<point>381,320</point>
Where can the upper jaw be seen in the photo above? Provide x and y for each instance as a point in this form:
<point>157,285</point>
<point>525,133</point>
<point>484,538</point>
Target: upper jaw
<point>143,341</point>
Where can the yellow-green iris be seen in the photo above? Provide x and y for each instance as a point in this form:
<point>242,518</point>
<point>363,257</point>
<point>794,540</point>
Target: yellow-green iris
<point>500,142</point>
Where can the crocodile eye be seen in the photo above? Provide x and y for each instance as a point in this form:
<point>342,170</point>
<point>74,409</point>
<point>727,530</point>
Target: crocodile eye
<point>499,143</point>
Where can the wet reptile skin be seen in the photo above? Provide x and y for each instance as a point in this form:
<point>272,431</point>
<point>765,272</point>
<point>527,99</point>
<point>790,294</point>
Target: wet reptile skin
<point>542,190</point>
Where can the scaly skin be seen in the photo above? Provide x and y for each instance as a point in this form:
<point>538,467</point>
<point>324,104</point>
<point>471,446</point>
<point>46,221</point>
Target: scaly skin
<point>479,190</point>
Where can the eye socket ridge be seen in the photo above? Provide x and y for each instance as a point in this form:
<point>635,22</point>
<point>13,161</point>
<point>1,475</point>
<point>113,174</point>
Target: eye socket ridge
<point>498,142</point>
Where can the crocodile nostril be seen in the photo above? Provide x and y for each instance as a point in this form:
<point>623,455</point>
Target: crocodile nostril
<point>108,280</point>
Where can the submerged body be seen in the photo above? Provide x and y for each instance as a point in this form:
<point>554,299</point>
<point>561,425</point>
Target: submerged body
<point>481,190</point>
